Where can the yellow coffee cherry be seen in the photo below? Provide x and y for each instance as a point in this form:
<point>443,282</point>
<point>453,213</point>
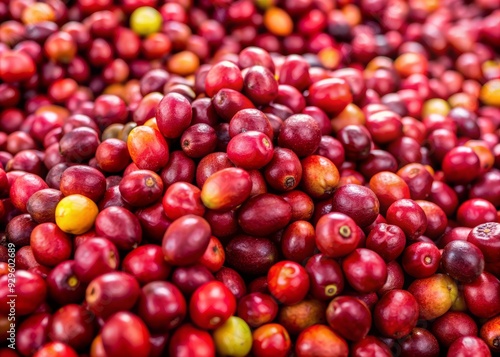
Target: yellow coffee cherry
<point>233,338</point>
<point>152,123</point>
<point>330,57</point>
<point>490,93</point>
<point>75,214</point>
<point>37,12</point>
<point>145,21</point>
<point>183,63</point>
<point>435,106</point>
<point>278,21</point>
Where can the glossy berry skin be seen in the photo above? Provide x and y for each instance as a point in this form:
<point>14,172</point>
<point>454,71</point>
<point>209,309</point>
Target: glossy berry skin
<point>94,257</point>
<point>319,176</point>
<point>463,261</point>
<point>227,102</point>
<point>356,142</point>
<point>325,274</point>
<point>409,216</point>
<point>384,126</point>
<point>189,341</point>
<point>387,240</point>
<point>271,340</point>
<point>365,270</point>
<point>82,322</point>
<point>357,202</point>
<point>153,221</point>
<point>232,280</point>
<point>186,240</point>
<point>301,134</point>
<point>120,226</point>
<point>112,155</point>
<point>252,221</point>
<point>421,259</point>
<point>250,150</point>
<point>248,120</point>
<point>284,171</point>
<point>148,148</point>
<point>125,333</point>
<point>50,244</point>
<point>173,115</point>
<point>420,342</point>
<point>226,188</point>
<point>211,305</point>
<point>191,277</point>
<point>395,278</point>
<point>436,219</point>
<point>371,346</point>
<point>146,263</point>
<point>476,211</point>
<point>336,235</point>
<point>64,287</point>
<point>257,309</point>
<point>435,295</point>
<point>396,313</point>
<point>461,165</point>
<point>233,338</point>
<point>377,161</point>
<point>487,238</point>
<point>331,95</point>
<point>468,346</point>
<point>224,74</point>
<point>298,241</point>
<point>489,333</point>
<point>16,66</point>
<point>141,188</point>
<point>349,317</point>
<point>23,188</point>
<point>199,140</point>
<point>482,296</point>
<point>389,188</point>
<point>418,179</point>
<point>453,325</point>
<point>288,282</point>
<point>112,292</point>
<point>320,340</point>
<point>260,85</point>
<point>56,349</point>
<point>30,288</point>
<point>75,214</point>
<point>214,256</point>
<point>32,333</point>
<point>180,199</point>
<point>161,306</point>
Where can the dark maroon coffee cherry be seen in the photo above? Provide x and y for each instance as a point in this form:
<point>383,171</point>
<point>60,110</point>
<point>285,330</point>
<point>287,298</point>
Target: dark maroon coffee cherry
<point>357,202</point>
<point>420,342</point>
<point>356,141</point>
<point>462,260</point>
<point>300,133</point>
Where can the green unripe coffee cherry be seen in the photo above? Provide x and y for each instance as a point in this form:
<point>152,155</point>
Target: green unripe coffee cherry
<point>233,338</point>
